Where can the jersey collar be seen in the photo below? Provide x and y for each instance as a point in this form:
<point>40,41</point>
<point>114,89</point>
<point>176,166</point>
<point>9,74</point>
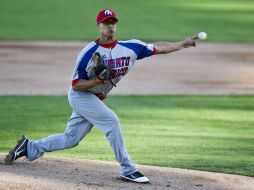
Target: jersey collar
<point>111,45</point>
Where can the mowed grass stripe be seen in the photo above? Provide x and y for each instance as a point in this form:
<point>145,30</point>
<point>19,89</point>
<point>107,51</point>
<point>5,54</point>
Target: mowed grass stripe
<point>212,133</point>
<point>223,20</point>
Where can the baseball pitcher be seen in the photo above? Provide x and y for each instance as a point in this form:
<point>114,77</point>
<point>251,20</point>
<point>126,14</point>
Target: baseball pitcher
<point>99,68</point>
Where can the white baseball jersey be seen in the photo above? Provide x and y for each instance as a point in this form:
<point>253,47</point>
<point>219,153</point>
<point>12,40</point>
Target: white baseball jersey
<point>119,55</point>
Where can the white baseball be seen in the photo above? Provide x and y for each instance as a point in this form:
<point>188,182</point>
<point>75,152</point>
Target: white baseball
<point>202,35</point>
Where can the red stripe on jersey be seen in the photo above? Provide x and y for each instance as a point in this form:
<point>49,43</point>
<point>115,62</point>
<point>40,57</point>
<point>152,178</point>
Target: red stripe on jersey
<point>154,50</point>
<point>111,45</point>
<point>74,82</point>
<point>101,97</point>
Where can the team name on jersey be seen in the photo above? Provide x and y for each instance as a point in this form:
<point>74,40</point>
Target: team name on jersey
<point>119,66</point>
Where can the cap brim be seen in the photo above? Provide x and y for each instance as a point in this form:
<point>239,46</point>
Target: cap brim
<point>107,18</point>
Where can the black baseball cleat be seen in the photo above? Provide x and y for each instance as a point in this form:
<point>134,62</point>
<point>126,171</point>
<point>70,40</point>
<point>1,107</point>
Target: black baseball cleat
<point>18,151</point>
<point>135,177</point>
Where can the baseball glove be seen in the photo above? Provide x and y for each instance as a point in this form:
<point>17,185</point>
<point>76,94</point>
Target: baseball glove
<point>101,69</point>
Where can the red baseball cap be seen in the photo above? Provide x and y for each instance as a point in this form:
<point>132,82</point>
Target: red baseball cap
<point>105,14</point>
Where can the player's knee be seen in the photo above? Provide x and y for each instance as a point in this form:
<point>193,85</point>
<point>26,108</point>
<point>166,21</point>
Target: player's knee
<point>113,125</point>
<point>71,141</point>
<point>115,122</point>
<point>110,118</point>
<point>75,143</point>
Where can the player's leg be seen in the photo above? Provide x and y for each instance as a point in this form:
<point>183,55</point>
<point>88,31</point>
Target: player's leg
<point>77,128</point>
<point>96,112</point>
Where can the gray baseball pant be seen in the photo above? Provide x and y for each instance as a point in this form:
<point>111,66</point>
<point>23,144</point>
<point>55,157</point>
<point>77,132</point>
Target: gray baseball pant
<point>88,111</point>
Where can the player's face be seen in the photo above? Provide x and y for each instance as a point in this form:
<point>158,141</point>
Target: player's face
<point>108,27</point>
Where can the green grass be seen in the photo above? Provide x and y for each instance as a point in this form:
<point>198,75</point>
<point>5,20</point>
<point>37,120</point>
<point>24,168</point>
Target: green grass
<point>212,133</point>
<point>152,20</point>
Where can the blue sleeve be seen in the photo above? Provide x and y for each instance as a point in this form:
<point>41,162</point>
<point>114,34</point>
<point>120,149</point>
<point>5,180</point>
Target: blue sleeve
<point>141,49</point>
<point>82,73</point>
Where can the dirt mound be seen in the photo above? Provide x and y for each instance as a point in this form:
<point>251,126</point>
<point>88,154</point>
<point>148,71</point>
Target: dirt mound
<point>62,173</point>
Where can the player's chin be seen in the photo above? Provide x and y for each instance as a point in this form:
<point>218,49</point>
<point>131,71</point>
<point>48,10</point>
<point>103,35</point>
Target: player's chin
<point>111,34</point>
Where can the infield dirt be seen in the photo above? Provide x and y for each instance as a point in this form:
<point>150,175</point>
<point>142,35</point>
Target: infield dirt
<point>46,68</point>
